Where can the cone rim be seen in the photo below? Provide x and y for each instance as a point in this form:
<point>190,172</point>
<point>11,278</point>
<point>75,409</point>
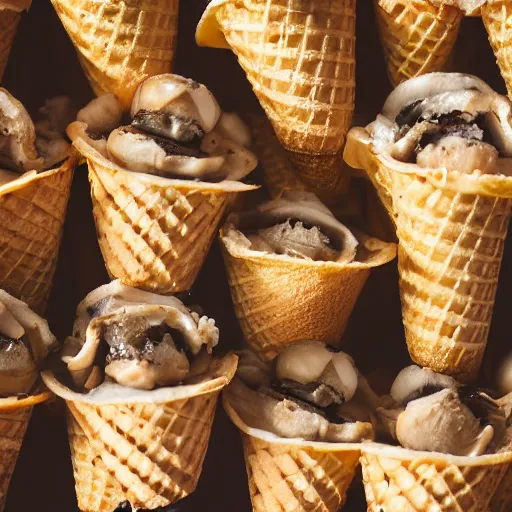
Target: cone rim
<point>224,372</point>
<point>12,403</point>
<point>208,30</point>
<point>32,177</point>
<point>397,452</point>
<point>359,153</point>
<point>387,252</point>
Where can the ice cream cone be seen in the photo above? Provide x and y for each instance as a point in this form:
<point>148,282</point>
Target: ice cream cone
<point>280,299</point>
<point>451,229</point>
<point>300,61</point>
<point>8,25</point>
<point>409,481</point>
<point>14,417</point>
<point>154,233</point>
<point>121,42</point>
<point>497,17</point>
<point>291,474</point>
<point>146,448</point>
<point>33,210</point>
<point>417,36</point>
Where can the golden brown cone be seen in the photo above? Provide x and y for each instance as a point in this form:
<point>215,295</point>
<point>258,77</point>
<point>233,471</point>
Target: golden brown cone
<point>33,210</point>
<point>292,475</point>
<point>149,453</point>
<point>451,229</point>
<point>14,417</point>
<point>408,481</point>
<point>281,299</point>
<point>417,36</point>
<point>154,233</point>
<point>497,17</point>
<point>310,101</point>
<point>121,42</point>
<point>9,20</point>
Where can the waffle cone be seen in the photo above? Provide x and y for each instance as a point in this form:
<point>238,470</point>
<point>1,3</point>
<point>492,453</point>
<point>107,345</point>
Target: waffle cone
<point>154,233</point>
<point>33,210</point>
<point>399,479</point>
<point>417,36</point>
<point>147,449</point>
<point>310,101</point>
<point>119,42</point>
<point>9,20</point>
<point>281,299</point>
<point>296,475</point>
<point>497,17</point>
<point>451,229</point>
<point>14,417</point>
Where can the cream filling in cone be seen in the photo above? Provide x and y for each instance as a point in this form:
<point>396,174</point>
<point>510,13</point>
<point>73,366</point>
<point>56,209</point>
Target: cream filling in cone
<point>296,224</point>
<point>432,412</point>
<point>177,130</point>
<point>446,121</point>
<point>152,340</point>
<point>25,340</point>
<point>307,395</point>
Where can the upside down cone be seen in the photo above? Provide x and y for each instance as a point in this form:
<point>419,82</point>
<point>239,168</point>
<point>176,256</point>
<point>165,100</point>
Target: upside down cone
<point>300,60</point>
<point>416,35</point>
<point>121,42</point>
<point>33,210</point>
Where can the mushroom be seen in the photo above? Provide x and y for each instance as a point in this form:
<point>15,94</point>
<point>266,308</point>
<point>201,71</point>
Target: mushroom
<point>148,337</point>
<point>442,423</point>
<point>432,412</point>
<point>446,120</point>
<point>177,96</point>
<point>17,136</point>
<point>312,372</point>
<point>298,224</point>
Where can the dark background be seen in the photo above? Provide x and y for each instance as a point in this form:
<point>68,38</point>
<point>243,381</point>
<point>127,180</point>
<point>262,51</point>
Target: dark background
<point>43,64</point>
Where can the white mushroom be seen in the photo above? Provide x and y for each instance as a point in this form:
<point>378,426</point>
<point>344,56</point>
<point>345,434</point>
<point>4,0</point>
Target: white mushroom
<point>442,423</point>
<point>102,114</point>
<point>176,95</point>
<point>230,126</point>
<point>414,381</point>
<point>311,362</point>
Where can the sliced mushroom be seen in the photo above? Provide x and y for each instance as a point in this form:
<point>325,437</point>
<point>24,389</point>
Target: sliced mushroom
<point>252,370</point>
<point>140,152</point>
<point>178,96</point>
<point>230,126</point>
<point>17,136</point>
<point>172,126</point>
<point>287,418</point>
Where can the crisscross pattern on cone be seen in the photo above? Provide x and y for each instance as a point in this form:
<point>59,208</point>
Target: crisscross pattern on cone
<point>153,236</point>
<point>502,499</point>
<point>417,37</point>
<point>449,258</point>
<point>424,485</point>
<point>277,302</point>
<point>284,477</point>
<point>121,42</point>
<point>33,216</point>
<point>13,426</point>
<point>148,454</point>
<point>497,17</point>
<point>300,59</point>
<point>9,20</point>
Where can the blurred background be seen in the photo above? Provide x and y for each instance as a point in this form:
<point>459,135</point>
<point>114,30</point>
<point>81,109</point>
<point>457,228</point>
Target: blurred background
<point>43,64</point>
